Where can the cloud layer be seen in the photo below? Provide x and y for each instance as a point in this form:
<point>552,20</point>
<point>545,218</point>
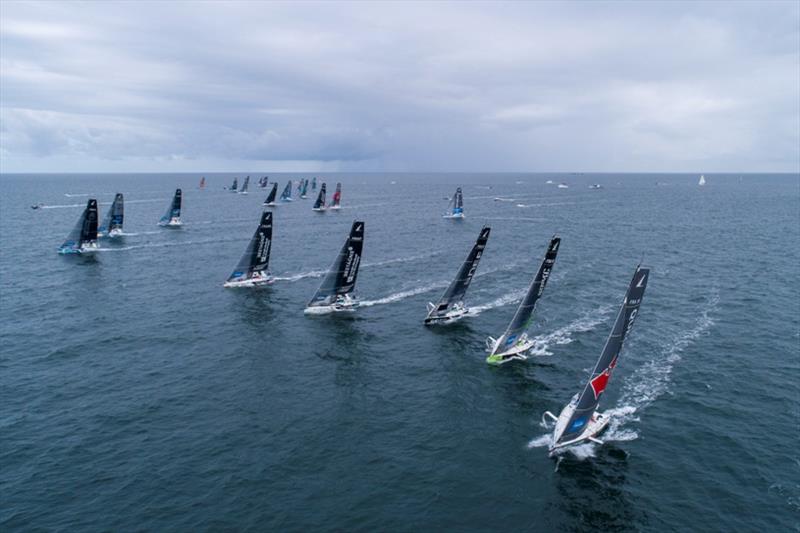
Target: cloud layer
<point>149,86</point>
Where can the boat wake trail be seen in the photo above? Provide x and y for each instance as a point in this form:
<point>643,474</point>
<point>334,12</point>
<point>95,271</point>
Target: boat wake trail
<point>403,295</point>
<point>506,299</point>
<point>651,380</point>
<point>68,195</point>
<point>586,322</point>
<point>164,245</point>
<point>301,275</point>
<point>66,206</point>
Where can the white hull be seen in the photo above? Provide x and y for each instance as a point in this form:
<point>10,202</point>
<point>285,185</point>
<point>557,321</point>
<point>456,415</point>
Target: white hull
<point>334,207</point>
<point>516,353</point>
<point>319,209</point>
<point>271,204</point>
<point>451,316</point>
<point>327,309</point>
<point>562,186</point>
<point>458,216</point>
<point>86,248</point>
<point>593,428</point>
<point>171,223</point>
<point>251,282</point>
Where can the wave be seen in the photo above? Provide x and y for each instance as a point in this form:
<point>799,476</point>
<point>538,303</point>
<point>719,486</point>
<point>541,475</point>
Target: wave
<point>402,295</point>
<point>563,335</point>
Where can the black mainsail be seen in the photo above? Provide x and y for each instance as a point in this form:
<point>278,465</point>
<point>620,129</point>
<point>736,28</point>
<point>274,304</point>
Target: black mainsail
<point>235,185</point>
<point>173,214</point>
<point>84,234</point>
<point>341,277</point>
<point>454,295</point>
<point>271,196</point>
<point>319,204</point>
<point>515,333</point>
<point>245,185</point>
<point>113,219</point>
<point>589,398</point>
<point>286,195</point>
<point>254,262</point>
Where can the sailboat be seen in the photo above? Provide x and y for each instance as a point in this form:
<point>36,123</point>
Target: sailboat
<point>172,218</point>
<point>252,269</point>
<point>319,204</point>
<point>337,197</point>
<point>579,421</point>
<point>245,185</point>
<point>263,182</point>
<point>83,237</point>
<point>702,180</point>
<point>299,186</point>
<point>286,195</point>
<point>514,342</point>
<point>202,182</point>
<point>314,183</point>
<point>112,223</point>
<point>235,185</point>
<point>270,201</point>
<point>333,294</point>
<point>456,206</point>
<point>304,189</point>
<point>450,306</point>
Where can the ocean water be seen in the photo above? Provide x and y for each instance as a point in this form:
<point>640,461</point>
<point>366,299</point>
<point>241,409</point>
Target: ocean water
<point>138,394</point>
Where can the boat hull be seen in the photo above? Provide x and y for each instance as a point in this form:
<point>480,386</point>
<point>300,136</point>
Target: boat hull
<point>319,209</point>
<point>251,282</point>
<point>327,309</point>
<point>459,216</point>
<point>595,426</point>
<point>515,353</point>
<point>171,223</point>
<point>448,318</point>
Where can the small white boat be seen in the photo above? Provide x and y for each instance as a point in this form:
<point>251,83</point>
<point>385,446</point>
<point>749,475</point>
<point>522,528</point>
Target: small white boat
<point>702,180</point>
<point>563,186</point>
<point>549,182</point>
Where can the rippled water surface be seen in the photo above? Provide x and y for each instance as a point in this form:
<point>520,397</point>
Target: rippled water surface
<point>137,393</point>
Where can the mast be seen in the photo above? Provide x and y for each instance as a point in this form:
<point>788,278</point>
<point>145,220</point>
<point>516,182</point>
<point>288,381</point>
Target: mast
<point>454,294</point>
<point>320,203</point>
<point>271,196</point>
<point>337,196</point>
<point>586,403</point>
<point>522,318</point>
<point>341,277</point>
<point>256,256</point>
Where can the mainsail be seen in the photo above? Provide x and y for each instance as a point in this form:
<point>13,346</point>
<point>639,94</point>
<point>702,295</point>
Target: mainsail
<point>319,204</point>
<point>255,260</point>
<point>586,403</point>
<point>203,182</point>
<point>263,182</point>
<point>245,185</point>
<point>85,231</point>
<point>286,195</point>
<point>522,318</point>
<point>314,183</point>
<point>113,219</point>
<point>337,196</point>
<point>173,213</point>
<point>341,277</point>
<point>454,295</point>
<point>304,189</point>
<point>235,185</point>
<point>271,196</point>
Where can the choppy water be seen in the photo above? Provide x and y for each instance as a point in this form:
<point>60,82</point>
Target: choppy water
<point>137,393</point>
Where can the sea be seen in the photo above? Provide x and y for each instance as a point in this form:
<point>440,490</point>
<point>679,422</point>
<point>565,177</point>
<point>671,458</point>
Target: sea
<point>138,394</point>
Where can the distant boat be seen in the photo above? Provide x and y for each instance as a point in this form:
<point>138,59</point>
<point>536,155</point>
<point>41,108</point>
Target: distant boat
<point>702,180</point>
<point>563,186</point>
<point>299,186</point>
<point>595,186</point>
<point>245,185</point>
<point>83,237</point>
<point>450,306</point>
<point>270,201</point>
<point>319,204</point>
<point>337,197</point>
<point>112,223</point>
<point>334,293</point>
<point>202,183</point>
<point>262,182</point>
<point>549,182</point>
<point>235,185</point>
<point>304,190</point>
<point>514,342</point>
<point>286,195</point>
<point>314,183</point>
<point>172,218</point>
<point>456,206</point>
<point>252,269</point>
<point>37,206</point>
<point>579,421</point>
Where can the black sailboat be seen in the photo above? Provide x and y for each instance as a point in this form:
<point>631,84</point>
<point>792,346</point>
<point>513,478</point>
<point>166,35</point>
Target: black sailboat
<point>304,189</point>
<point>514,342</point>
<point>314,183</point>
<point>245,185</point>
<point>319,203</point>
<point>334,291</point>
<point>252,269</point>
<point>450,306</point>
<point>172,218</point>
<point>83,237</point>
<point>286,195</point>
<point>112,223</point>
<point>270,201</point>
<point>579,420</point>
<point>234,185</point>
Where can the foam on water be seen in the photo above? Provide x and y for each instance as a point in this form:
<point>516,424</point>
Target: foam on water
<point>506,299</point>
<point>396,297</point>
<point>564,335</point>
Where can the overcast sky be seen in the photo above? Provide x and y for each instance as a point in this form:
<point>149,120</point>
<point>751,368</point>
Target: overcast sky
<point>634,86</point>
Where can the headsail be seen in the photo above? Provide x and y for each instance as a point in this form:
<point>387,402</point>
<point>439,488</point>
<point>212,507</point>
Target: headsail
<point>173,214</point>
<point>515,332</point>
<point>454,295</point>
<point>271,196</point>
<point>84,234</point>
<point>341,277</point>
<point>245,185</point>
<point>337,196</point>
<point>255,260</point>
<point>586,403</point>
<point>286,195</point>
<point>112,223</point>
<point>319,204</point>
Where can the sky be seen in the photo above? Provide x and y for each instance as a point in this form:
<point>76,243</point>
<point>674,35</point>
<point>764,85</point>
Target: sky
<point>399,87</point>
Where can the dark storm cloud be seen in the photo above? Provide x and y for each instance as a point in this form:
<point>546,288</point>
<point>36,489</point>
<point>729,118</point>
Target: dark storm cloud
<point>401,86</point>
